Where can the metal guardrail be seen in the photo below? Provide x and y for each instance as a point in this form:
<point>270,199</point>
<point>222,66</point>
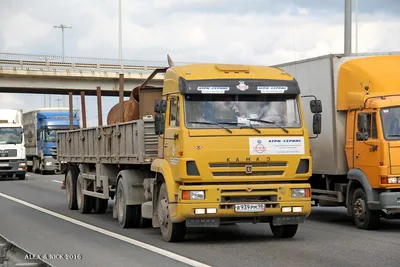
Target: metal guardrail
<point>54,63</point>
<point>13,256</point>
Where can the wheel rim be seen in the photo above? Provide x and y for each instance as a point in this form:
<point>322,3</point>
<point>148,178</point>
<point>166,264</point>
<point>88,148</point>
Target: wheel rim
<point>359,209</point>
<point>79,193</point>
<point>120,205</point>
<point>68,189</point>
<point>163,216</point>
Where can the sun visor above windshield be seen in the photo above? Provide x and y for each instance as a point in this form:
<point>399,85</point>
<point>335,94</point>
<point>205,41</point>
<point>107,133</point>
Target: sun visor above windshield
<point>239,86</point>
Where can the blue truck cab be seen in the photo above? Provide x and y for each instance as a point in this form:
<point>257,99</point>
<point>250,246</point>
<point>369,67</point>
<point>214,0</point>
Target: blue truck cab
<point>41,137</point>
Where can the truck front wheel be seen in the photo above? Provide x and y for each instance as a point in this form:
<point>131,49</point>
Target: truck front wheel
<point>363,216</point>
<point>284,231</point>
<point>171,232</point>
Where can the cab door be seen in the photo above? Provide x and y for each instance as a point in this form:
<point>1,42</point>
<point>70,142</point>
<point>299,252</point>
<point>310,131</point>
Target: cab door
<point>172,142</point>
<point>366,146</point>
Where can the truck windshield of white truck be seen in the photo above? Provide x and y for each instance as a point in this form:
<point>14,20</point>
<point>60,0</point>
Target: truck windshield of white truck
<point>11,135</point>
<point>258,111</point>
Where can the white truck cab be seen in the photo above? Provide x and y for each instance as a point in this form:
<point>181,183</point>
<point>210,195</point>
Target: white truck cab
<point>12,144</point>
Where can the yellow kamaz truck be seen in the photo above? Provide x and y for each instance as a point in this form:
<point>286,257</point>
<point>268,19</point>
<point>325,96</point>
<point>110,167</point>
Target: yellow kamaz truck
<point>216,144</point>
<point>356,159</point>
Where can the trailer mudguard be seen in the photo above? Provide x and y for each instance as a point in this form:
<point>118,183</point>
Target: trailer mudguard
<point>162,166</point>
<point>132,181</point>
<point>357,175</point>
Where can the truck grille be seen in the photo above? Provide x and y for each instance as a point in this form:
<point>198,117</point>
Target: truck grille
<point>248,168</point>
<point>53,152</point>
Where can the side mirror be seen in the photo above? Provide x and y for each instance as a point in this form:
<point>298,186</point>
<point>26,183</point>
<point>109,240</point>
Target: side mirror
<point>362,136</point>
<point>160,106</point>
<point>316,106</point>
<point>317,124</point>
<point>159,124</point>
<point>362,122</point>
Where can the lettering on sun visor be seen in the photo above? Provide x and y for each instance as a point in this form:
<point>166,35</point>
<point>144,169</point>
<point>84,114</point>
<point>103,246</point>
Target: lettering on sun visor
<point>213,89</point>
<point>272,89</point>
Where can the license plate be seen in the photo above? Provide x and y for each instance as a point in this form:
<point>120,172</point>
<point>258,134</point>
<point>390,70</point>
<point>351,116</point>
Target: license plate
<point>4,165</point>
<point>249,207</point>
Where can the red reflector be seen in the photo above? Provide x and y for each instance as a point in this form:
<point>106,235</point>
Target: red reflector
<point>384,180</point>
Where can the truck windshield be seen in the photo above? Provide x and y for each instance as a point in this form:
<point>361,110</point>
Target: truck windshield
<point>391,123</point>
<point>11,135</point>
<point>241,110</point>
<point>50,135</point>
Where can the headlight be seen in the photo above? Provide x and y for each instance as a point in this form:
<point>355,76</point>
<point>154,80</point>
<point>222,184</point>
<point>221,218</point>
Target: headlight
<point>22,164</point>
<point>193,195</point>
<point>300,192</point>
<point>392,180</point>
<point>48,163</point>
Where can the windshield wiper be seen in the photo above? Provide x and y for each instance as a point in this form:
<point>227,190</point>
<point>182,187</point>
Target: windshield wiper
<point>11,143</point>
<point>393,135</point>
<point>211,123</point>
<point>269,122</point>
<point>251,127</point>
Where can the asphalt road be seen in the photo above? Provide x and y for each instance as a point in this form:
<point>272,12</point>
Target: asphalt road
<point>327,238</point>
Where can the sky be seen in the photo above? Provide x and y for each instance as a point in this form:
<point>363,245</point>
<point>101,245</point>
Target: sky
<point>263,32</point>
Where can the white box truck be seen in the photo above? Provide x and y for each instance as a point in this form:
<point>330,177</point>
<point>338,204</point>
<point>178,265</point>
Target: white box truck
<point>356,158</point>
<point>12,144</point>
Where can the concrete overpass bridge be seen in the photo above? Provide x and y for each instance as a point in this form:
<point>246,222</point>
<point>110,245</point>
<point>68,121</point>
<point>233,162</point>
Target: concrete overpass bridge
<point>43,74</point>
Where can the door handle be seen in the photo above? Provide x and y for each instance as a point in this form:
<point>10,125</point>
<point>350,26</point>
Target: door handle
<point>357,156</point>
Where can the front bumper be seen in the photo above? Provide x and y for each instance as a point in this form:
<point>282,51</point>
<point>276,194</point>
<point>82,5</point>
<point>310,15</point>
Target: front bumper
<point>221,200</point>
<point>12,167</point>
<point>50,164</point>
<point>390,200</point>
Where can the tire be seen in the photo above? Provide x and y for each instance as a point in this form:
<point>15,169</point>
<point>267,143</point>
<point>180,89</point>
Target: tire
<point>284,231</point>
<point>85,203</point>
<point>21,176</point>
<point>70,188</point>
<point>171,232</point>
<point>363,217</point>
<point>129,215</point>
<point>100,205</point>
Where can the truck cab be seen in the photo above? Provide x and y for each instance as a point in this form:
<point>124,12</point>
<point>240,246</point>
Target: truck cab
<point>41,133</point>
<point>372,137</point>
<point>233,147</point>
<point>12,144</point>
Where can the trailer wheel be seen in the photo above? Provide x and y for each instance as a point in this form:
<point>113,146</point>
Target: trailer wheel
<point>100,205</point>
<point>129,215</point>
<point>84,202</point>
<point>70,188</point>
<point>364,218</point>
<point>284,231</point>
<point>171,232</point>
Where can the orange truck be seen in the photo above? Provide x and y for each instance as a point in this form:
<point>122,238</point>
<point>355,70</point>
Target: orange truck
<point>356,158</point>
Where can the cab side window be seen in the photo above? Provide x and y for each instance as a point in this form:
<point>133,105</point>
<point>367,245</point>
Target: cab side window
<point>174,114</point>
<point>371,126</point>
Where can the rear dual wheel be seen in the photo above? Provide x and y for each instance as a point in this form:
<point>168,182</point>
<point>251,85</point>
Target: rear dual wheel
<point>85,202</point>
<point>129,215</point>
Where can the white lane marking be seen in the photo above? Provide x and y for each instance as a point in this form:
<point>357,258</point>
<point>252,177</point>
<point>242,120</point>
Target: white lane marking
<point>131,241</point>
<point>56,181</point>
